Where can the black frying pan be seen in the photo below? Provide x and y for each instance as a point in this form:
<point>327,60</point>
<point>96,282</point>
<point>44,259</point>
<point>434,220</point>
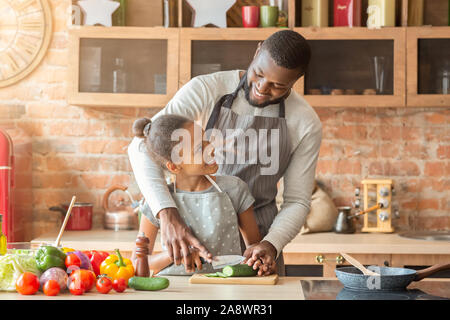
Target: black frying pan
<point>390,279</point>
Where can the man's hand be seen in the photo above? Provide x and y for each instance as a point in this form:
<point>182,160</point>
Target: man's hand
<point>261,256</point>
<point>178,238</point>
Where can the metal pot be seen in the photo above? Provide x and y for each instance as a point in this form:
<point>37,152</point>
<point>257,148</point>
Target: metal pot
<point>344,223</point>
<point>120,217</point>
<point>80,218</point>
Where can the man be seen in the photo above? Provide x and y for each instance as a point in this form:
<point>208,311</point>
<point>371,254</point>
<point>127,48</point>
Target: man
<point>260,100</point>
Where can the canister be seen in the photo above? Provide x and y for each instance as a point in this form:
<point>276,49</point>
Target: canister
<point>381,13</point>
<point>347,13</point>
<point>315,13</point>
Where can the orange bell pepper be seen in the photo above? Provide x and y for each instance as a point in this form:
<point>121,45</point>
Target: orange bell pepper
<point>117,267</point>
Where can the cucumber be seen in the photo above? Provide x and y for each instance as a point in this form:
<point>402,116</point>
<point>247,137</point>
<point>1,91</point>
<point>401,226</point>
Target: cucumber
<point>215,275</point>
<point>148,284</point>
<point>239,270</point>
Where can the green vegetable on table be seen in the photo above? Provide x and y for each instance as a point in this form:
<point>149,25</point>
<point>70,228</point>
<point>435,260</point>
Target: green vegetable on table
<point>49,257</point>
<point>12,266</point>
<point>239,270</point>
<point>148,283</point>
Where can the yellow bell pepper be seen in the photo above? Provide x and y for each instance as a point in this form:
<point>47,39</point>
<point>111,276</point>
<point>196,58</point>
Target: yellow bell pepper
<point>116,267</point>
<point>66,250</point>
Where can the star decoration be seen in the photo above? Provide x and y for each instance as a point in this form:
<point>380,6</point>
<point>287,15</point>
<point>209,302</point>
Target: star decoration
<point>98,11</point>
<point>210,11</point>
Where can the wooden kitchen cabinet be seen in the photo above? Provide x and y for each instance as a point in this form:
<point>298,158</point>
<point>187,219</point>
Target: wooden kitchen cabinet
<point>206,50</point>
<point>122,66</point>
<point>346,62</point>
<point>428,66</point>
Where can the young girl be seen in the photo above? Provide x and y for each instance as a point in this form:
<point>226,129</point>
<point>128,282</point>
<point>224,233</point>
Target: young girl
<point>215,208</point>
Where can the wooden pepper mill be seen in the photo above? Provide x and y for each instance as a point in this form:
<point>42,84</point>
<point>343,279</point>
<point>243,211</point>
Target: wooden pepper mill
<point>142,268</point>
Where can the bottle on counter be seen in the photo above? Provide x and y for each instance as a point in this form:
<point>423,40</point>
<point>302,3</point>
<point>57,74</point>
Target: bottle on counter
<point>142,267</point>
<point>347,13</point>
<point>314,13</point>
<point>2,238</point>
<point>381,13</point>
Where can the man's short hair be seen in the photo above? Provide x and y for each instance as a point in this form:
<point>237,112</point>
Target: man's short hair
<point>289,50</point>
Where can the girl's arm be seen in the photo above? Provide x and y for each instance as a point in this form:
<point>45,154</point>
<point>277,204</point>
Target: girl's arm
<point>158,261</point>
<point>248,227</point>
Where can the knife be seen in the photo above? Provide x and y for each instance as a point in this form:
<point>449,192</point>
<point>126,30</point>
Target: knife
<point>219,262</point>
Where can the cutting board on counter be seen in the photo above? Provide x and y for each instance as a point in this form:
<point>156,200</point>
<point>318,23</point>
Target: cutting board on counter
<point>202,279</point>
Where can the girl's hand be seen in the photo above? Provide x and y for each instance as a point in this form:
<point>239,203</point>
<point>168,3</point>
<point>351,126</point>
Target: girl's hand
<point>261,254</point>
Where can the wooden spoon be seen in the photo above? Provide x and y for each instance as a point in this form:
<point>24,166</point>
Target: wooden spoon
<point>69,211</point>
<point>359,265</point>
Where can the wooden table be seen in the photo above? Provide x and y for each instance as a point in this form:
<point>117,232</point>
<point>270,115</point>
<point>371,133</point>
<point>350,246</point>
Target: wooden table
<point>309,249</point>
<point>287,288</point>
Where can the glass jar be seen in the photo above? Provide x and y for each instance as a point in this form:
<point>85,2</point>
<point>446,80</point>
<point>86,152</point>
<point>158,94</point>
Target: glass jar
<point>119,76</point>
<point>443,81</point>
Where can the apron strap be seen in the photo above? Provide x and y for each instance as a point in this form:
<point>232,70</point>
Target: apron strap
<point>213,182</point>
<point>227,100</point>
<point>207,177</point>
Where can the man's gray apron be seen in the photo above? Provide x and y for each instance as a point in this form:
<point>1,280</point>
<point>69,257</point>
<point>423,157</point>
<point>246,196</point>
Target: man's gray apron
<point>213,221</point>
<point>262,187</point>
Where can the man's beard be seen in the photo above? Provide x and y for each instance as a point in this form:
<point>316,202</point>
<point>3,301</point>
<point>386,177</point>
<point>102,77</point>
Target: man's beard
<point>247,89</point>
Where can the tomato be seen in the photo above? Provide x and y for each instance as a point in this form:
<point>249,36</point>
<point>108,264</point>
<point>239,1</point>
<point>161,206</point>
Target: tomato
<point>51,288</point>
<point>76,287</point>
<point>27,283</point>
<point>120,285</point>
<point>86,277</point>
<point>104,284</point>
<point>72,260</point>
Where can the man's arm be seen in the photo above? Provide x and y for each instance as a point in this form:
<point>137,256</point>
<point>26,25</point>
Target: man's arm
<point>298,186</point>
<point>192,102</point>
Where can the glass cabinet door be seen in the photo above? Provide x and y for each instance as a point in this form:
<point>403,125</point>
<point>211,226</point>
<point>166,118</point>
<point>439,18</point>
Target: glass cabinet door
<point>428,66</point>
<point>350,67</point>
<point>434,66</point>
<point>210,56</point>
<point>207,50</point>
<point>136,67</point>
<point>355,67</point>
<point>123,66</point>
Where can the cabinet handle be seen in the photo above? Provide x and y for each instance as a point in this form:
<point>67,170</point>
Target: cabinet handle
<point>321,259</point>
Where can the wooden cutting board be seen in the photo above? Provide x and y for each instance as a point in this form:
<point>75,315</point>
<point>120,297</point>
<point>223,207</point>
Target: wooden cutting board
<point>202,279</point>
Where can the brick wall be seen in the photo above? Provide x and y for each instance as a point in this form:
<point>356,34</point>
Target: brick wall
<point>62,150</point>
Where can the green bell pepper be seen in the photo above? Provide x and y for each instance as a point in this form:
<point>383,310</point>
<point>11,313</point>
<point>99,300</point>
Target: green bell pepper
<point>48,257</point>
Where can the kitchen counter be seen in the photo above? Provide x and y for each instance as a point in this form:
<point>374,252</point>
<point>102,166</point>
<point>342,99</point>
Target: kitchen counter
<point>287,288</point>
<point>326,242</point>
<point>317,249</point>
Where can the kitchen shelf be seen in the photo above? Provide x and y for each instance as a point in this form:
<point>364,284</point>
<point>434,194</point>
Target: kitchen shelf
<point>428,60</point>
<point>148,57</point>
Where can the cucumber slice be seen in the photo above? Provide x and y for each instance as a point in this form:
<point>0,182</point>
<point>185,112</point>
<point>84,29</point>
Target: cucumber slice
<point>239,270</point>
<point>216,275</point>
<point>148,284</point>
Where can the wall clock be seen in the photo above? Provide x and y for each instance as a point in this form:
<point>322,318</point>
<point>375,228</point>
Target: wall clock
<point>25,32</point>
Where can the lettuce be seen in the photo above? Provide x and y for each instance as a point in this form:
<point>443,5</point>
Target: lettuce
<point>12,266</point>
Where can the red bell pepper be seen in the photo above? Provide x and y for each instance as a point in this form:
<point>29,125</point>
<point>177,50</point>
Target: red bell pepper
<point>96,258</point>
